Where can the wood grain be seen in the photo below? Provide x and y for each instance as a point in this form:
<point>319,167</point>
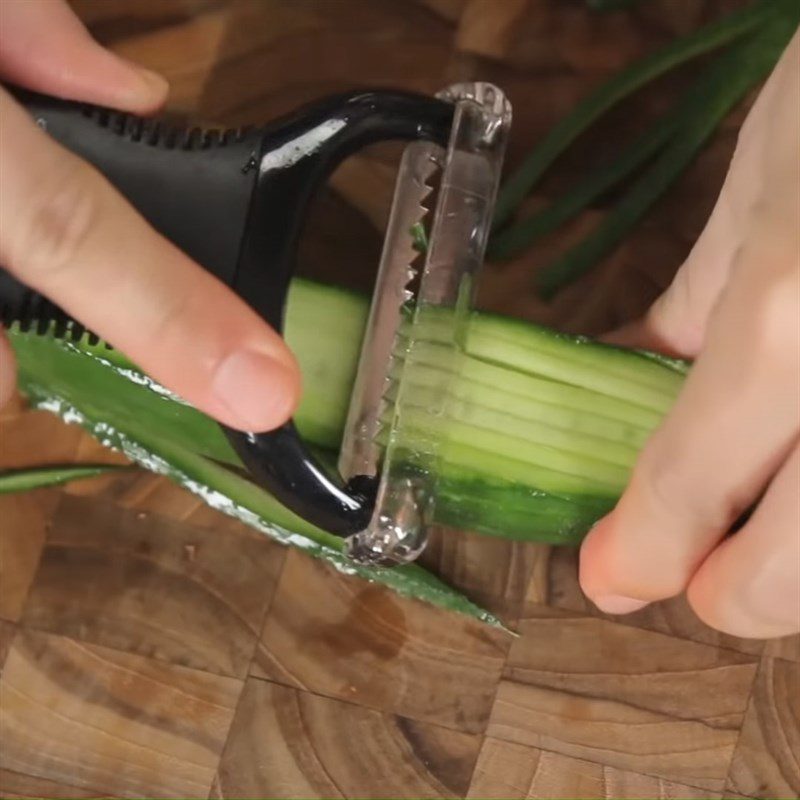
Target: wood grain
<point>22,532</point>
<point>486,28</point>
<point>559,588</point>
<point>632,699</point>
<point>30,438</point>
<point>509,771</point>
<point>7,632</point>
<point>334,635</point>
<point>141,583</point>
<point>787,648</point>
<point>461,559</point>
<point>360,41</point>
<point>290,743</point>
<point>198,38</point>
<point>767,759</point>
<point>111,722</point>
<point>148,493</point>
<point>18,786</point>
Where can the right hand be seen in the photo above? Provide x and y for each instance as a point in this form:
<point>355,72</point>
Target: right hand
<point>732,439</point>
<point>65,232</point>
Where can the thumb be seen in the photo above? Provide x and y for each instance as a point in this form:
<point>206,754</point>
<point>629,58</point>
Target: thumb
<point>69,235</point>
<point>676,323</point>
<point>45,47</point>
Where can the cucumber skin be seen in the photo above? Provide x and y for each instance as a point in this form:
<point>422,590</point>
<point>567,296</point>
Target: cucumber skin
<point>516,512</point>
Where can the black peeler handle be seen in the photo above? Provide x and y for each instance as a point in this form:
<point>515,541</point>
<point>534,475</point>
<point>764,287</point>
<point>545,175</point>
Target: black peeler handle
<point>236,203</point>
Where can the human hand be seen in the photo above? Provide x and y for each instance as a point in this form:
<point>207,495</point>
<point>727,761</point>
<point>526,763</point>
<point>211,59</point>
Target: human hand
<point>731,439</point>
<point>65,232</point>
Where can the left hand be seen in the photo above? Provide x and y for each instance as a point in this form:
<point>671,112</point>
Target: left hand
<point>68,234</point>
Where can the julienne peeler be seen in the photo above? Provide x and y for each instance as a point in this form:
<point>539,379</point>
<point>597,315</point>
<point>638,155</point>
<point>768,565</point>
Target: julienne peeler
<point>235,201</point>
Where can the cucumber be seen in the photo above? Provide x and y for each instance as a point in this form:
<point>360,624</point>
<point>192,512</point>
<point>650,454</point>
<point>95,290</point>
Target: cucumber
<point>536,439</point>
<point>540,431</point>
<point>324,326</point>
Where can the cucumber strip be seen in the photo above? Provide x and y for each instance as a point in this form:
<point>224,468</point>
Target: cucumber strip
<point>464,445</point>
<point>573,360</point>
<point>477,400</point>
<point>573,373</point>
<point>528,433</point>
<point>516,237</point>
<point>532,397</point>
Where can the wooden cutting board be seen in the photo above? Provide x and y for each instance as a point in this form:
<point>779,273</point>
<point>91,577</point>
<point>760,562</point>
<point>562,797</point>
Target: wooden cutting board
<point>151,647</point>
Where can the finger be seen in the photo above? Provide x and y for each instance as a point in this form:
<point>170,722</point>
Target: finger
<point>676,322</point>
<point>750,585</point>
<point>45,47</point>
<point>67,233</point>
<point>728,432</point>
<point>8,370</point>
<point>641,333</point>
<point>763,171</point>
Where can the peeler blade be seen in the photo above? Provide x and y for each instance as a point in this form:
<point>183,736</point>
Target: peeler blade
<point>392,301</point>
<point>383,436</point>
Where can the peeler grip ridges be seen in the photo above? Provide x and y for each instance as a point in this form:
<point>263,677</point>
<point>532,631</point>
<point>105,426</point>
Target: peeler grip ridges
<point>193,186</point>
<point>156,133</point>
<point>29,311</point>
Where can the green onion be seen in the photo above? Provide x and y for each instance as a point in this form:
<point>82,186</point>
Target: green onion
<point>724,85</point>
<point>23,480</point>
<point>515,238</point>
<point>561,136</point>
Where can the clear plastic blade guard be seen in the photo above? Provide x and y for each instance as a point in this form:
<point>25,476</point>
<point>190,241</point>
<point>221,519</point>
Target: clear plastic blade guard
<point>374,441</point>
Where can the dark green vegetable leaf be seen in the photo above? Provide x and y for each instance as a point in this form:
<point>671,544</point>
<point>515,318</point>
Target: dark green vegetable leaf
<point>22,480</point>
<point>722,87</point>
<point>515,238</point>
<point>563,134</point>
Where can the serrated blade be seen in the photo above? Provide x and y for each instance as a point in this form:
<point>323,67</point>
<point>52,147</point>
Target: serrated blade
<point>398,334</point>
<point>360,452</point>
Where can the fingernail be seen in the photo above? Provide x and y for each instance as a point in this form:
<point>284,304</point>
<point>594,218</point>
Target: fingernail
<point>259,391</point>
<point>154,82</point>
<point>618,604</point>
<point>150,90</point>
